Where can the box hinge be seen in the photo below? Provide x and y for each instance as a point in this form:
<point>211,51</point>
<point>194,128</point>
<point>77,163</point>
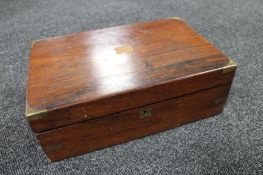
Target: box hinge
<point>230,67</point>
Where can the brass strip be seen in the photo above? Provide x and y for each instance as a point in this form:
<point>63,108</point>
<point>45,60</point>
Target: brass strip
<point>230,67</point>
<point>34,114</point>
<point>53,147</point>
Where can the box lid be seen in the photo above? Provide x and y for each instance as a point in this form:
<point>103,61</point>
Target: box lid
<point>86,75</point>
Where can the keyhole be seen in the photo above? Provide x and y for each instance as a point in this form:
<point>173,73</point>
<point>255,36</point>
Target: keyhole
<point>146,112</point>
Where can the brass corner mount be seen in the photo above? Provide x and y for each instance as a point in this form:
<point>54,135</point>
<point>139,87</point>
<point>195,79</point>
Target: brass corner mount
<point>230,67</point>
<point>175,17</point>
<point>33,114</point>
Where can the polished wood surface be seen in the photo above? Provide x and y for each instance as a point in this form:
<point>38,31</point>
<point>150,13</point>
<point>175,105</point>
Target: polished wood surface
<point>128,125</point>
<point>141,97</point>
<point>91,74</point>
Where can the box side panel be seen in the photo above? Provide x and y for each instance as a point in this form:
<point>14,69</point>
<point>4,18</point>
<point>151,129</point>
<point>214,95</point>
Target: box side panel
<point>130,100</point>
<point>132,124</point>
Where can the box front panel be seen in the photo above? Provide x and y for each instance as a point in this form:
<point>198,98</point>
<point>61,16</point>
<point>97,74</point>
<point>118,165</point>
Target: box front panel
<point>128,125</point>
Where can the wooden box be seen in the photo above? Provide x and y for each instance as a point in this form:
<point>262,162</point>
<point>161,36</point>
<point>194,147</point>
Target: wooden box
<point>91,90</point>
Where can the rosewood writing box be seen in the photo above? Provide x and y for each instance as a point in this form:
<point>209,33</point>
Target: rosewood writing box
<point>91,90</point>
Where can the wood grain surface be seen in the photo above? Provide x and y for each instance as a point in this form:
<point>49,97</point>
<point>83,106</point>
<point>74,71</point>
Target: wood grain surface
<point>91,74</point>
<point>128,125</point>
